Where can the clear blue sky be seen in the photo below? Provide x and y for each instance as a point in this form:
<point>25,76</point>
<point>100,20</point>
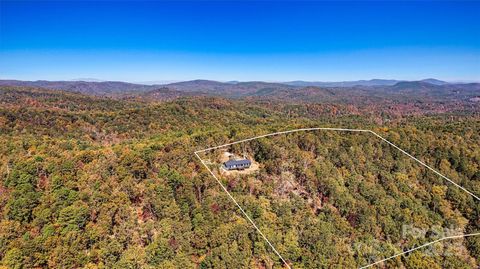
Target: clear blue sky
<point>156,41</point>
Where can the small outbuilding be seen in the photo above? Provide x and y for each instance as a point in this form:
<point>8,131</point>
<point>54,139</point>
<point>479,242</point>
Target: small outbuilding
<point>237,164</point>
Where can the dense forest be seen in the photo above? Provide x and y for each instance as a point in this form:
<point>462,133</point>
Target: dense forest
<point>101,182</point>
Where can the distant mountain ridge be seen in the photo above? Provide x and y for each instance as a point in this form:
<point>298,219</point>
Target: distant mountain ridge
<point>87,87</point>
<point>95,86</point>
<point>371,82</point>
<point>347,91</point>
<point>435,81</point>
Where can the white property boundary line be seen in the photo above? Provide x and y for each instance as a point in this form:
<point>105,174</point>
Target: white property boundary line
<point>244,213</point>
<point>422,246</point>
<point>332,129</point>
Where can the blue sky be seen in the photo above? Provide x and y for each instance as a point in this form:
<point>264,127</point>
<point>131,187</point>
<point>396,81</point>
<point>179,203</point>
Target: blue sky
<point>272,41</point>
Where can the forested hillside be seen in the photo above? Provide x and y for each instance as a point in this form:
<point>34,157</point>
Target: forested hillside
<point>333,198</point>
<point>96,182</point>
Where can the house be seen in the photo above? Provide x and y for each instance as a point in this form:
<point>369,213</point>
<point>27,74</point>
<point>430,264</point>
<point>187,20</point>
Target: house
<point>237,164</point>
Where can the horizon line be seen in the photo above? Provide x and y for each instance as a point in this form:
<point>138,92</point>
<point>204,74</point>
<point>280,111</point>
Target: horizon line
<point>170,81</point>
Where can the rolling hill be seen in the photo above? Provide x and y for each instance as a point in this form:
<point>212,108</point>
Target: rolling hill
<point>94,181</point>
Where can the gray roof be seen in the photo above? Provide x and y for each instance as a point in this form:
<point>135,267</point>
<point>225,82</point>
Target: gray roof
<point>237,162</point>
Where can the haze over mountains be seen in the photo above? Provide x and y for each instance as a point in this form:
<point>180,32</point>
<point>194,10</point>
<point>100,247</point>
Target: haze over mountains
<point>83,84</point>
<point>347,92</point>
<point>372,82</point>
